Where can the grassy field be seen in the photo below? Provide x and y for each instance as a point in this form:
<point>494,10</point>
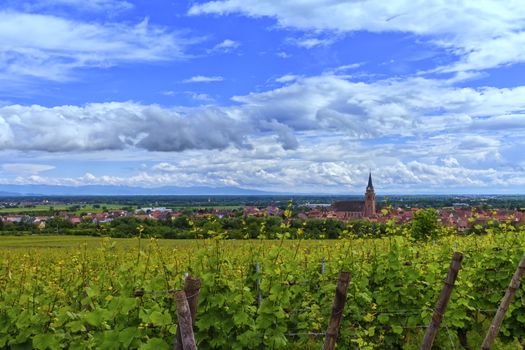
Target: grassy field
<point>56,241</point>
<point>45,208</point>
<point>75,242</point>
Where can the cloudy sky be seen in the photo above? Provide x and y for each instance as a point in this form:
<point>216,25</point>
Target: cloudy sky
<point>295,96</point>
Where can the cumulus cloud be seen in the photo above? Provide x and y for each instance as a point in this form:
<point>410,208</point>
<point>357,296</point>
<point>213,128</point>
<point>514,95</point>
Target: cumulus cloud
<point>226,45</point>
<point>413,107</point>
<point>406,107</point>
<point>203,79</point>
<point>291,173</point>
<point>311,42</point>
<point>117,126</point>
<point>199,96</point>
<point>321,163</point>
<point>165,167</point>
<point>52,48</point>
<point>283,54</point>
<point>483,34</point>
<point>287,78</point>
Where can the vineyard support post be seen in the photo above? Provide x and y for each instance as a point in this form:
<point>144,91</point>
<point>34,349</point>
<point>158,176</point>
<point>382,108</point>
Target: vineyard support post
<point>184,321</point>
<point>504,305</point>
<point>192,288</point>
<point>442,302</point>
<point>259,294</point>
<point>337,311</point>
<point>322,266</point>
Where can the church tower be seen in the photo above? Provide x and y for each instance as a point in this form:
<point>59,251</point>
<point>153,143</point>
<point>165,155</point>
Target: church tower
<point>370,199</point>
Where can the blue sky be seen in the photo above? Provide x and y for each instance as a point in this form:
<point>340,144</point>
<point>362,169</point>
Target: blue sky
<point>303,96</point>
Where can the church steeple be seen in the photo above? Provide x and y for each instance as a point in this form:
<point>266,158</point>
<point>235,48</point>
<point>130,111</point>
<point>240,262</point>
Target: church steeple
<point>370,186</point>
<point>370,198</point>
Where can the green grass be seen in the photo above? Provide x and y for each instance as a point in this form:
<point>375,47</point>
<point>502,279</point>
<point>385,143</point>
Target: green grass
<point>64,241</point>
<point>57,241</point>
<point>45,208</point>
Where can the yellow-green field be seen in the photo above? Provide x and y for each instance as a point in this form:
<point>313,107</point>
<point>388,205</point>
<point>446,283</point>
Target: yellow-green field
<point>81,292</point>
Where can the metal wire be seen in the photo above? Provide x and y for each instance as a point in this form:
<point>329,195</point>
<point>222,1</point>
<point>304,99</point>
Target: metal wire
<point>312,334</point>
<point>140,293</point>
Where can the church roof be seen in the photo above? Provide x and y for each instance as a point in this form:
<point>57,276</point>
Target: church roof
<point>356,206</point>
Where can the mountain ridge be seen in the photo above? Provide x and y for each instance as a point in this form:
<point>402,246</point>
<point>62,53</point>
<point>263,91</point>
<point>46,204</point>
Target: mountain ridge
<point>116,190</point>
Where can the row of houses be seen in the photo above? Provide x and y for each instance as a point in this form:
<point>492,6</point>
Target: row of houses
<point>462,218</point>
<point>110,215</point>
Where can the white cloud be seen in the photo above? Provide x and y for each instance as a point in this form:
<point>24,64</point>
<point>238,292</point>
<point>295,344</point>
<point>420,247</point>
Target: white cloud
<point>483,34</point>
<point>387,107</point>
<point>309,43</point>
<point>450,162</point>
<point>226,45</point>
<point>202,97</point>
<point>287,78</point>
<point>290,172</point>
<point>348,67</point>
<point>283,54</point>
<point>52,48</point>
<point>197,96</point>
<point>165,167</point>
<point>116,126</point>
<point>203,79</point>
<point>392,107</point>
<point>323,131</point>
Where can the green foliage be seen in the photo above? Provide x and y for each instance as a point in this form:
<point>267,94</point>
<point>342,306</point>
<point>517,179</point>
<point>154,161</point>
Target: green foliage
<point>259,294</point>
<point>424,225</point>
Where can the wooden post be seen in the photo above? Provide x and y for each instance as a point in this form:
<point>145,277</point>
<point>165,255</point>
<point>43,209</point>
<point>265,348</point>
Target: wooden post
<point>442,302</point>
<point>258,282</point>
<point>337,311</point>
<point>184,321</point>
<point>322,266</point>
<point>504,305</point>
<point>192,288</point>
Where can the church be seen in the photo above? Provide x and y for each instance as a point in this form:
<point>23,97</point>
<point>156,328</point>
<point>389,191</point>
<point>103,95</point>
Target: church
<point>358,209</point>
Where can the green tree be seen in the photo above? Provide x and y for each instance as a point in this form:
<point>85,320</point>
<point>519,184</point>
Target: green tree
<point>58,224</point>
<point>182,222</point>
<point>424,225</point>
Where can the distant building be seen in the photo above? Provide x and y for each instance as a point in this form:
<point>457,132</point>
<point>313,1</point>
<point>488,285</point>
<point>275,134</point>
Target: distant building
<point>370,199</point>
<point>358,209</point>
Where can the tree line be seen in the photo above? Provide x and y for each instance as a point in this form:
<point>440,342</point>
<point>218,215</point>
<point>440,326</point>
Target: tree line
<point>424,226</point>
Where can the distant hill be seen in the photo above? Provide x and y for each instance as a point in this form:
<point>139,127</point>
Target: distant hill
<point>110,190</point>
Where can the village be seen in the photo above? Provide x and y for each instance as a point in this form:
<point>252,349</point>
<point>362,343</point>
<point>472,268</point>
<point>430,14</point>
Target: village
<point>461,218</point>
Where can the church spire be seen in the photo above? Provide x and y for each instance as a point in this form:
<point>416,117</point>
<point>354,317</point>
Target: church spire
<point>370,199</point>
<point>370,185</point>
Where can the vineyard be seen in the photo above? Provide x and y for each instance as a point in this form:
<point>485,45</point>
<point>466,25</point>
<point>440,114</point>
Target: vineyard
<point>256,294</point>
